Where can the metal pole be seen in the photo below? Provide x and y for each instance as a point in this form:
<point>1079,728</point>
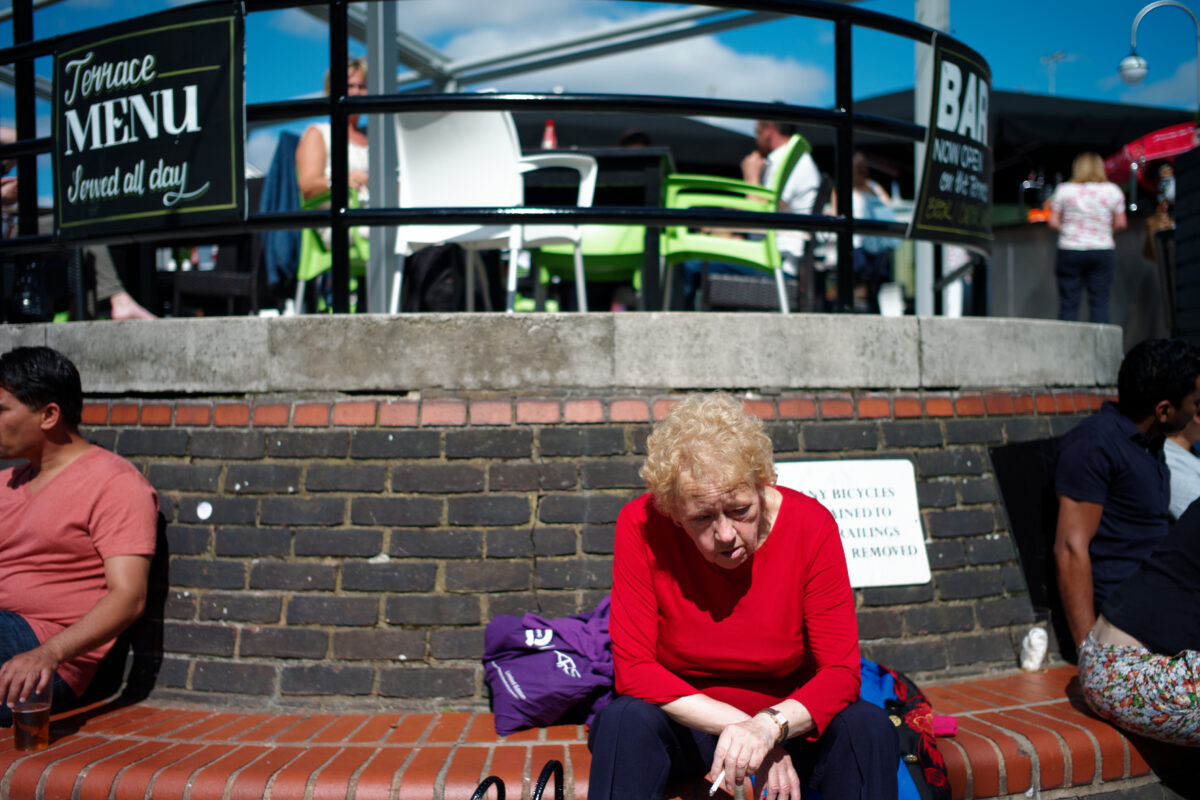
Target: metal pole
<point>843,32</point>
<point>27,189</point>
<point>339,143</point>
<point>1158,4</point>
<point>381,133</point>
<point>935,14</point>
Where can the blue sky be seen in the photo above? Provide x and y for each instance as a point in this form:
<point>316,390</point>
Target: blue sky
<point>789,60</point>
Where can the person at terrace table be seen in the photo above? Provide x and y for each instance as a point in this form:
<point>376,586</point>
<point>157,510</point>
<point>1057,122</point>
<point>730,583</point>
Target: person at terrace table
<point>734,636</point>
<point>108,284</point>
<point>314,163</point>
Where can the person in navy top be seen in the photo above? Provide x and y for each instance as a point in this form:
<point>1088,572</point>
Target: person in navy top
<point>1112,481</point>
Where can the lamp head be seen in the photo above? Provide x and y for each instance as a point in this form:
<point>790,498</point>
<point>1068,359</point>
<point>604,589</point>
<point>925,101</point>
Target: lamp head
<point>1133,68</point>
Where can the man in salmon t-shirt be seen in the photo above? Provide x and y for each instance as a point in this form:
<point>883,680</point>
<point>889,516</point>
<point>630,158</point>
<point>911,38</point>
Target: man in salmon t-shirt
<point>77,532</point>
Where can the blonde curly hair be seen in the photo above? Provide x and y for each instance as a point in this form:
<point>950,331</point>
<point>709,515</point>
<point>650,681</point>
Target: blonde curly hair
<point>712,441</point>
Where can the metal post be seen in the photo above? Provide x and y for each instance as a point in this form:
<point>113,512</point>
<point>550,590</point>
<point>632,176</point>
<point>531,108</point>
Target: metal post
<point>381,133</point>
<point>339,143</point>
<point>844,101</point>
<point>27,189</point>
<point>935,14</point>
<point>1159,4</point>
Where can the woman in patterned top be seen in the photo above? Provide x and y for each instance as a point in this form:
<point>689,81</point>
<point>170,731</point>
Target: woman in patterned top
<point>1085,211</point>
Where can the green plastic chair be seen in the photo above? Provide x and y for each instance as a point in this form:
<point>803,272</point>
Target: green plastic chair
<point>315,257</point>
<point>611,254</point>
<point>680,243</point>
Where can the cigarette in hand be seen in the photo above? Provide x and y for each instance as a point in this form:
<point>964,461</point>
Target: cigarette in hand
<point>716,784</point>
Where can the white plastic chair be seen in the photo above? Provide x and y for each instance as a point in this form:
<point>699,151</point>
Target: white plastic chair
<point>473,159</point>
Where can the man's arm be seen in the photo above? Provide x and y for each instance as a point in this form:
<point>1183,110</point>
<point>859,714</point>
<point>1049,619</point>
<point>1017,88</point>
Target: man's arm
<point>1077,525</point>
<point>127,578</point>
<point>752,167</point>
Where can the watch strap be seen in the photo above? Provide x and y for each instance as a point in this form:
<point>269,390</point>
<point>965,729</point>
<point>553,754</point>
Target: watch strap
<point>780,720</point>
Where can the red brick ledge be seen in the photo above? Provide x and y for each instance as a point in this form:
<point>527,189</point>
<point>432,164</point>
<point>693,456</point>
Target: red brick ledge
<point>154,751</point>
<point>1031,732</point>
<point>1016,733</point>
<point>492,411</point>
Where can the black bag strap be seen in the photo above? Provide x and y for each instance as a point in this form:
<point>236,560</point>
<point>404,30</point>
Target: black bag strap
<point>555,768</point>
<point>481,790</point>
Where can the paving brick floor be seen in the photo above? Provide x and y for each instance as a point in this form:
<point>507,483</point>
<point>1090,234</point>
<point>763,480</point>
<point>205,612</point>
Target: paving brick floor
<point>1023,735</point>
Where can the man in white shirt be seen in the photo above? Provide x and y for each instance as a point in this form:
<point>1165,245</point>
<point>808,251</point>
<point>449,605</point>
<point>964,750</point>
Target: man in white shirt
<point>798,196</point>
<point>800,191</point>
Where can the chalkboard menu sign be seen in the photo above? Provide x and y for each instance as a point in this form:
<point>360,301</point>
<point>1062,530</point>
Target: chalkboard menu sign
<point>954,198</point>
<point>149,123</point>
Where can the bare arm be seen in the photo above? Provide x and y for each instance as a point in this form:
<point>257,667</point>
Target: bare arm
<point>752,167</point>
<point>703,713</point>
<point>310,164</point>
<point>1055,220</point>
<point>127,578</point>
<point>1119,221</point>
<point>1077,526</point>
<point>8,192</point>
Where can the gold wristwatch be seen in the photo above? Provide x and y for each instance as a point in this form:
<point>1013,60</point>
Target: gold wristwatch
<point>779,719</point>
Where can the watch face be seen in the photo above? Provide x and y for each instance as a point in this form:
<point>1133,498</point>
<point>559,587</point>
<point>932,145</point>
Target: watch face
<point>780,720</point>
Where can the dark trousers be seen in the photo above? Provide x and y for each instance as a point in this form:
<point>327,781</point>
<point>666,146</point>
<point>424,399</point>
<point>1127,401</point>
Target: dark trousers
<point>636,749</point>
<point>17,637</point>
<point>1074,269</point>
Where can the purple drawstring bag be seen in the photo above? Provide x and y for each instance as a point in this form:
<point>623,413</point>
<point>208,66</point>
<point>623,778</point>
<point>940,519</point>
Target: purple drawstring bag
<point>539,669</point>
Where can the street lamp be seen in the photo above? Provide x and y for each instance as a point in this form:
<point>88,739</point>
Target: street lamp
<point>1133,67</point>
<point>1050,62</point>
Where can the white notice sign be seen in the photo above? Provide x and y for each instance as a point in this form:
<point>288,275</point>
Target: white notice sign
<point>875,505</point>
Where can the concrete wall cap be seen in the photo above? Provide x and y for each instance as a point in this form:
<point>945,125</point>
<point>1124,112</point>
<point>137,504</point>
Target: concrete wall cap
<point>668,350</point>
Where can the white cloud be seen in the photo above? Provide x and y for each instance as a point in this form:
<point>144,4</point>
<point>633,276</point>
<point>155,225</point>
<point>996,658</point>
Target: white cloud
<point>1179,90</point>
<point>700,67</point>
<point>537,18</point>
<point>697,67</point>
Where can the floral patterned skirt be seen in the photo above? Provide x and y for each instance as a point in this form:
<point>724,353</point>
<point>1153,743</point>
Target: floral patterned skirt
<point>1150,694</point>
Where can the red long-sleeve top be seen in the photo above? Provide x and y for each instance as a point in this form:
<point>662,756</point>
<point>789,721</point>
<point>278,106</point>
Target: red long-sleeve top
<point>781,625</point>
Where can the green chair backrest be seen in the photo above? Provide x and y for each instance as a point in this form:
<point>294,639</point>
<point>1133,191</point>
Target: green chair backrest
<point>315,257</point>
<point>797,146</point>
<point>611,253</point>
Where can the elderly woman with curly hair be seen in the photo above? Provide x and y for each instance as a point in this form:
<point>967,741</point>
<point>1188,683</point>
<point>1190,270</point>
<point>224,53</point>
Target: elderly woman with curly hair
<point>733,628</point>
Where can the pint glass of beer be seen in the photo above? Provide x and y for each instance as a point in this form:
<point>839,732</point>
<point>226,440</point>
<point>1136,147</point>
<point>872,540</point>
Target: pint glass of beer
<point>31,721</point>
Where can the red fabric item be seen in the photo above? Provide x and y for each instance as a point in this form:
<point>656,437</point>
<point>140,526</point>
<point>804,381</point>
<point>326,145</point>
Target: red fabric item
<point>781,625</point>
<point>1164,143</point>
<point>944,725</point>
<point>53,543</point>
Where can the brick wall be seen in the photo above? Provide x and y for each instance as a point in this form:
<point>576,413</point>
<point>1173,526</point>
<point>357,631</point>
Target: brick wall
<point>352,549</point>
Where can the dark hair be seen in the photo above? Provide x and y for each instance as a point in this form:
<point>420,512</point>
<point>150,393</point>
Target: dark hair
<point>634,137</point>
<point>788,129</point>
<point>1153,371</point>
<point>38,376</point>
<point>861,171</point>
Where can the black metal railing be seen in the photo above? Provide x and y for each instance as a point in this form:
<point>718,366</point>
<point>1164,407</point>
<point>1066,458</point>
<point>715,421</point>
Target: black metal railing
<point>338,107</point>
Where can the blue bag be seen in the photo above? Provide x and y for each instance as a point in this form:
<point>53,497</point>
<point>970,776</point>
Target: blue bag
<point>922,772</point>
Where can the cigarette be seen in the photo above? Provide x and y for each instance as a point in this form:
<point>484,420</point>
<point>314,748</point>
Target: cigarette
<point>716,784</point>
